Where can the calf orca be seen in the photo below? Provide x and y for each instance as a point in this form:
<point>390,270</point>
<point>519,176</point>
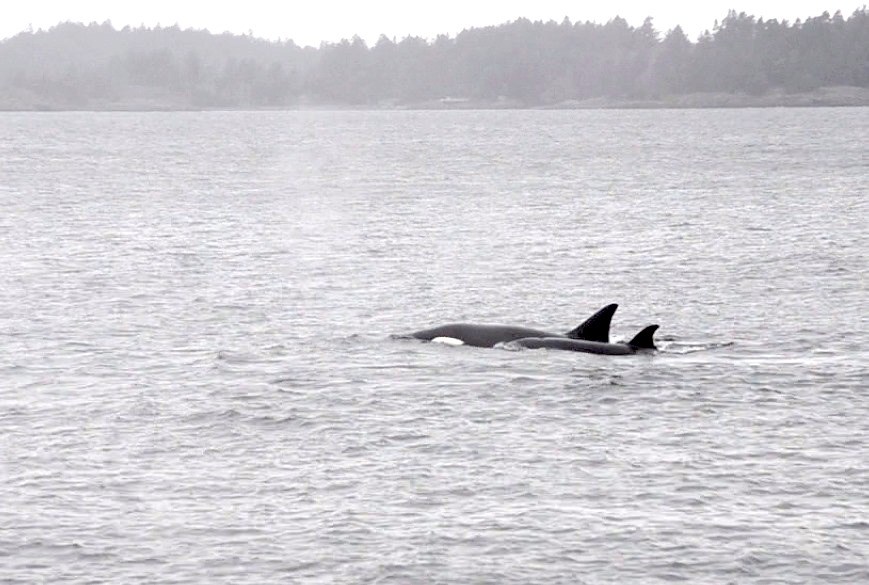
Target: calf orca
<point>595,329</point>
<point>642,341</point>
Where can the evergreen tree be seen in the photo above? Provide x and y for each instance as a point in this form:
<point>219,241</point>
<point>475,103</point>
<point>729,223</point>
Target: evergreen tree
<point>523,62</point>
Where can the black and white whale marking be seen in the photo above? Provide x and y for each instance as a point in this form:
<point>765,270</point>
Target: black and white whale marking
<point>642,342</point>
<point>595,329</point>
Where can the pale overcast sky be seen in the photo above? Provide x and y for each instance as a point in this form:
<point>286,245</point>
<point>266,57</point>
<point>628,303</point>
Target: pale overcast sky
<point>311,21</point>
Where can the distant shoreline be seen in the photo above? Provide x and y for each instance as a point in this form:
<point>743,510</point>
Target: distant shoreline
<point>744,62</point>
<point>823,97</point>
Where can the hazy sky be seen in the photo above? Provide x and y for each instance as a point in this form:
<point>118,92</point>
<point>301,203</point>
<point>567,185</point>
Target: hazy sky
<point>309,22</point>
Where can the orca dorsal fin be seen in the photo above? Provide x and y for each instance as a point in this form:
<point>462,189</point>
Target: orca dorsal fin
<point>645,338</point>
<point>596,327</point>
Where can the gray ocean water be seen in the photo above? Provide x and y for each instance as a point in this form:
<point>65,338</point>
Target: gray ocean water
<point>198,382</point>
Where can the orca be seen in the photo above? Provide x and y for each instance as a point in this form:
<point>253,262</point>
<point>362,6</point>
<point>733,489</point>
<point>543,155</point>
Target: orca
<point>642,341</point>
<point>594,329</point>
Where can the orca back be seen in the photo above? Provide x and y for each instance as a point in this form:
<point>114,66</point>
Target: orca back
<point>580,345</point>
<point>480,335</point>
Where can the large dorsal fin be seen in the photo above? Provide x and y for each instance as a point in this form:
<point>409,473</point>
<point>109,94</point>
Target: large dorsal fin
<point>596,327</point>
<point>644,339</point>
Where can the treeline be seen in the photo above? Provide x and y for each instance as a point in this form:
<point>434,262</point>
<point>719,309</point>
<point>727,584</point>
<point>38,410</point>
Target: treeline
<point>520,63</point>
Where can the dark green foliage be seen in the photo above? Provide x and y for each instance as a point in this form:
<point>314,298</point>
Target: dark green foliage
<point>522,63</point>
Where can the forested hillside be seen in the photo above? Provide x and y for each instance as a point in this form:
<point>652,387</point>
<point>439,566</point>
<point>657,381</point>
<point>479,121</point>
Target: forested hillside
<point>521,64</point>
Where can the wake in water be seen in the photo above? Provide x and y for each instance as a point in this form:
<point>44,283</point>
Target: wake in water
<point>670,346</point>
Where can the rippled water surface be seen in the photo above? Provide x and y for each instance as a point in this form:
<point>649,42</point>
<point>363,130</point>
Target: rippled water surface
<point>199,383</point>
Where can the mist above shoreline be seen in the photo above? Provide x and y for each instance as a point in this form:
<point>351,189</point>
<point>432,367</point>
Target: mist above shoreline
<point>517,64</point>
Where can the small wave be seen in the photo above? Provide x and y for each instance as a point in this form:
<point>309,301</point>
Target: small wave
<point>269,420</point>
<point>233,357</point>
<point>292,380</point>
<point>857,525</point>
<point>406,437</point>
<point>213,415</point>
<point>687,348</point>
<point>509,346</point>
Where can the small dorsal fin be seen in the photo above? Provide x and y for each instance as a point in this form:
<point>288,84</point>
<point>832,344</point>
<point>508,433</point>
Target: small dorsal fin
<point>644,339</point>
<point>596,327</point>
